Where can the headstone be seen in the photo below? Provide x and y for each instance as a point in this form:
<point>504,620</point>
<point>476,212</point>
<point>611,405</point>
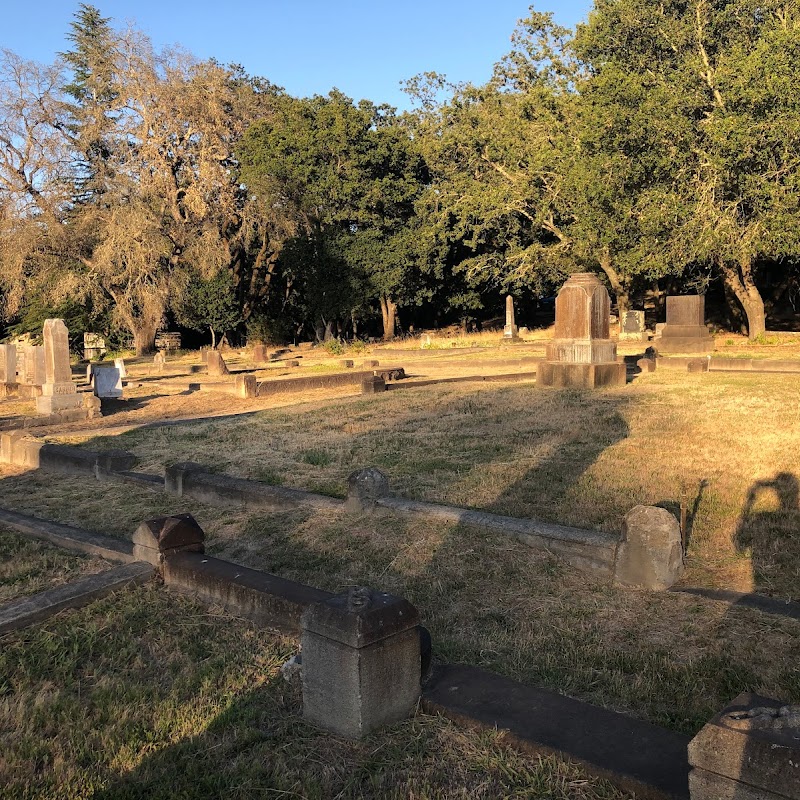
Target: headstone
<point>510,330</point>
<point>424,340</point>
<point>582,354</point>
<point>58,391</point>
<point>159,360</point>
<point>259,354</point>
<point>35,368</point>
<point>374,384</point>
<point>361,662</point>
<point>94,346</point>
<point>119,363</point>
<point>685,330</point>
<point>347,362</point>
<point>8,363</point>
<point>650,552</point>
<point>364,488</point>
<point>107,382</point>
<point>216,364</point>
<point>632,327</point>
<point>750,750</point>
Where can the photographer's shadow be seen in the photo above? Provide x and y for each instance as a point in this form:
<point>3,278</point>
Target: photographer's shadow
<point>772,536</point>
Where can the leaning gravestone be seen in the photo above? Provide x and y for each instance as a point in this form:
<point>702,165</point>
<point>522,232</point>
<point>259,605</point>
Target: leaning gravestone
<point>685,330</point>
<point>58,391</point>
<point>216,364</point>
<point>582,354</point>
<point>119,363</point>
<point>107,382</point>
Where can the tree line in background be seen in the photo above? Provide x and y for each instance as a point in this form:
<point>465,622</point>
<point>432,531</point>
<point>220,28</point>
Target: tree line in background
<point>658,144</point>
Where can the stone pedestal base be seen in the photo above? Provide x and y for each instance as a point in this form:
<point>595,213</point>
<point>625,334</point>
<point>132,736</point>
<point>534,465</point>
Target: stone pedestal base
<point>685,339</point>
<point>53,404</point>
<point>563,375</point>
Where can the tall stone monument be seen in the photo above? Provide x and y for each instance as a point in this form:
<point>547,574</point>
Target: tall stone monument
<point>685,331</point>
<point>510,331</point>
<point>58,391</point>
<point>582,354</point>
<point>8,363</point>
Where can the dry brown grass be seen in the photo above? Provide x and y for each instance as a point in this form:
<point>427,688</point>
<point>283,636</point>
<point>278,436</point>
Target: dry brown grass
<point>28,566</point>
<point>148,695</point>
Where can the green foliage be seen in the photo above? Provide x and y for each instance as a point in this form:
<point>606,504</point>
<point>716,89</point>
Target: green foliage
<point>209,303</point>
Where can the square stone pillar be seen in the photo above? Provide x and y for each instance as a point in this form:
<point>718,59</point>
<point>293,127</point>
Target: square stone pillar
<point>510,330</point>
<point>582,354</point>
<point>361,662</point>
<point>685,330</point>
<point>8,363</point>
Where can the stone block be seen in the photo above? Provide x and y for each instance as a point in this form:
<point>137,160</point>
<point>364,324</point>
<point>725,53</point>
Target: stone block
<point>650,552</point>
<point>751,749</point>
<point>364,487</point>
<point>646,364</point>
<point>370,363</point>
<point>347,362</point>
<point>119,363</point>
<point>361,662</point>
<point>580,376</point>
<point>374,384</point>
<point>93,406</point>
<point>216,364</point>
<point>176,474</point>
<point>8,363</point>
<point>246,386</point>
<point>157,538</point>
<point>48,405</point>
<point>259,354</point>
<point>697,365</point>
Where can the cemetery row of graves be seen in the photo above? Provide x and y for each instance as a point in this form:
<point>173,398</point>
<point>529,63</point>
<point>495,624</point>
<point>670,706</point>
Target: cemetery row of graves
<point>573,517</point>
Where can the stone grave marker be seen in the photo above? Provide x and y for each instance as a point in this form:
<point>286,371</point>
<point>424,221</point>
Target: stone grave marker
<point>8,363</point>
<point>259,354</point>
<point>159,360</point>
<point>685,330</point>
<point>107,382</point>
<point>58,391</point>
<point>510,330</point>
<point>632,327</point>
<point>216,364</point>
<point>582,354</point>
<point>119,363</point>
<point>94,346</point>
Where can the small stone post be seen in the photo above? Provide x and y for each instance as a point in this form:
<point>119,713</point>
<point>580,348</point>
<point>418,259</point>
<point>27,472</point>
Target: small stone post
<point>361,662</point>
<point>374,384</point>
<point>246,386</point>
<point>158,538</point>
<point>364,488</point>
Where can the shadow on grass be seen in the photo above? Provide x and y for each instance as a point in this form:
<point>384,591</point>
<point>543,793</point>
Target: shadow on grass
<point>772,537</point>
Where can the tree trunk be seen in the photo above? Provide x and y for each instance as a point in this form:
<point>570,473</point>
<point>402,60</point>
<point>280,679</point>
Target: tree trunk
<point>623,298</point>
<point>389,313</point>
<point>213,338</point>
<point>739,278</point>
<point>144,337</point>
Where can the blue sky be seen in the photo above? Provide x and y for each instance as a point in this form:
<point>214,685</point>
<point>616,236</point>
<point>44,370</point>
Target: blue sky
<point>307,46</point>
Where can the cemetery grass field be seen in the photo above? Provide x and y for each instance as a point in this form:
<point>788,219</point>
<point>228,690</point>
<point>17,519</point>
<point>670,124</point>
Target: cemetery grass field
<point>156,675</point>
<point>149,695</point>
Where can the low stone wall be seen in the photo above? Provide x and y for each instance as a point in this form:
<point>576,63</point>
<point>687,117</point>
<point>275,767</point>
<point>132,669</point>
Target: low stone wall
<point>330,381</point>
<point>720,364</point>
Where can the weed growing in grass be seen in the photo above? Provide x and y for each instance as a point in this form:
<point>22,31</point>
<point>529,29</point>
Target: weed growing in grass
<point>317,458</point>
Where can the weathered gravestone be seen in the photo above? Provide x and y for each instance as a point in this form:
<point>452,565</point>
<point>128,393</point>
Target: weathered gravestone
<point>685,330</point>
<point>749,751</point>
<point>58,391</point>
<point>216,364</point>
<point>510,330</point>
<point>8,363</point>
<point>119,363</point>
<point>94,346</point>
<point>259,354</point>
<point>107,383</point>
<point>632,327</point>
<point>582,354</point>
<point>159,360</point>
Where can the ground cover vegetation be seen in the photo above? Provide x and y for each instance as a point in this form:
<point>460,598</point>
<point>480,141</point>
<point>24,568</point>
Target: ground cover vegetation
<point>656,144</point>
<point>103,703</point>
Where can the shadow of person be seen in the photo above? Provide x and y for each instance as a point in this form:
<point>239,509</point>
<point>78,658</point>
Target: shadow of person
<point>772,535</point>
